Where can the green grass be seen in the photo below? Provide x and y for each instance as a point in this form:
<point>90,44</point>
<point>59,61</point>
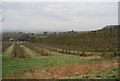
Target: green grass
<point>11,66</point>
<point>107,74</point>
<point>0,67</point>
<point>0,60</point>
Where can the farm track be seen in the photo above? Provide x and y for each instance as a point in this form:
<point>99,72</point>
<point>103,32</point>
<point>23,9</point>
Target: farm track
<point>66,71</point>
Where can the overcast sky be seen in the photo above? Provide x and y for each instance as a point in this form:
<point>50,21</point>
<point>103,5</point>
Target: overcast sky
<point>60,16</point>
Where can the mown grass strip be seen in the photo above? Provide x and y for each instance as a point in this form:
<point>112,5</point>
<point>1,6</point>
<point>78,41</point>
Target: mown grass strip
<point>8,51</point>
<point>29,52</point>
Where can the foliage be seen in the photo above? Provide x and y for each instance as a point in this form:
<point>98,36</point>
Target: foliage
<point>105,39</point>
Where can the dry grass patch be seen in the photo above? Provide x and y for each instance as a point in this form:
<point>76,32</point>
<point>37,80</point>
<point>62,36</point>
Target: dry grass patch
<point>66,71</point>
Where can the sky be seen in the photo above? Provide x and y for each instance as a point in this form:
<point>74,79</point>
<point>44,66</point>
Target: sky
<point>58,16</point>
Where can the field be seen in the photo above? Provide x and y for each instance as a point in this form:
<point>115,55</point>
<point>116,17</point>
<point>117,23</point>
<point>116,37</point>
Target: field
<point>58,40</point>
<point>64,55</point>
<point>25,60</point>
<point>0,60</point>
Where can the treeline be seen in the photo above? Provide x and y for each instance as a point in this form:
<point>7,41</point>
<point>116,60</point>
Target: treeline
<point>106,39</point>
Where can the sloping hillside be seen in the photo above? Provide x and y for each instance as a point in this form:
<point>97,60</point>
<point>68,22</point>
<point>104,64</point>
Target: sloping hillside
<point>104,39</point>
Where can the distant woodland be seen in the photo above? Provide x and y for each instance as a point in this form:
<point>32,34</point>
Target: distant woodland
<point>106,39</point>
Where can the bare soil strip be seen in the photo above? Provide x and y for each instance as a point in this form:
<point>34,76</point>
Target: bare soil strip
<point>19,52</point>
<point>66,71</point>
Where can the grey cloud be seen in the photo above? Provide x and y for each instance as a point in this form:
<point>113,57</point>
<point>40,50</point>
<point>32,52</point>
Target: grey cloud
<point>59,16</point>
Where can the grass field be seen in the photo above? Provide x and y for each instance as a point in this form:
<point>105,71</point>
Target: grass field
<point>0,67</point>
<point>59,66</point>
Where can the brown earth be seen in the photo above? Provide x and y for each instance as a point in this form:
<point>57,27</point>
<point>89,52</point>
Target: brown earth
<point>66,71</point>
